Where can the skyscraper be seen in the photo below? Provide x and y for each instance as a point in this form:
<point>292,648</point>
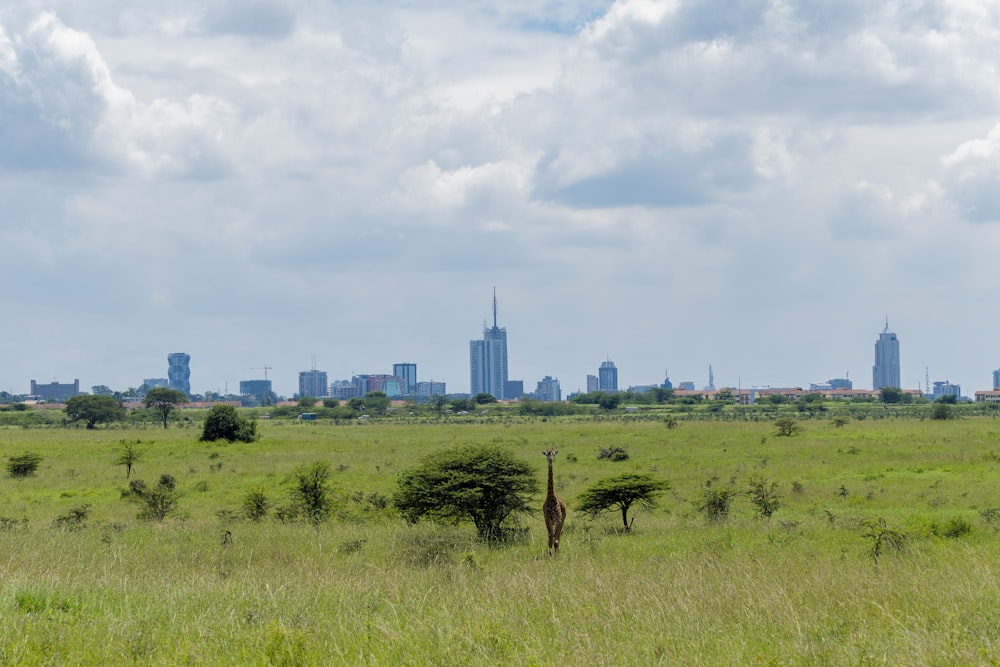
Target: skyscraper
<point>885,372</point>
<point>408,374</point>
<point>488,360</point>
<point>313,383</point>
<point>179,372</point>
<point>607,376</point>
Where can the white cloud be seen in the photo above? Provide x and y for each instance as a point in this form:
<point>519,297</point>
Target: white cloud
<point>972,177</point>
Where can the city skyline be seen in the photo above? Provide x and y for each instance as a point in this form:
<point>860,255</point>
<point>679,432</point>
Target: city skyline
<point>663,184</point>
<point>885,371</point>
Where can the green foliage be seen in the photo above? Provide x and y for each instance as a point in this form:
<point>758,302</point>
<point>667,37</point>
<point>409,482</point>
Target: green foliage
<point>330,403</point>
<point>763,496</point>
<point>942,410</point>
<point>481,483</point>
<point>463,405</point>
<point>786,426</point>
<point>306,401</point>
<point>613,453</point>
<point>609,401</point>
<point>716,502</point>
<point>621,492</point>
<point>483,398</point>
<point>224,423</point>
<point>256,505</point>
<point>157,502</point>
<point>530,406</point>
<point>23,465</point>
<point>164,401</point>
<point>129,453</point>
<point>75,519</point>
<point>882,537</point>
<point>94,410</point>
<point>311,492</point>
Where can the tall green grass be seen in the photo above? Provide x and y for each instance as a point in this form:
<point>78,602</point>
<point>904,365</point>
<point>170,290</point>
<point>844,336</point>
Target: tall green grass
<point>206,587</point>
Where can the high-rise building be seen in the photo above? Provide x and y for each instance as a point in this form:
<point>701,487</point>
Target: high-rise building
<point>313,383</point>
<point>548,389</point>
<point>996,379</point>
<point>885,372</point>
<point>592,384</point>
<point>257,392</point>
<point>179,372</point>
<point>607,377</point>
<point>55,391</point>
<point>945,388</point>
<point>408,374</point>
<point>488,360</point>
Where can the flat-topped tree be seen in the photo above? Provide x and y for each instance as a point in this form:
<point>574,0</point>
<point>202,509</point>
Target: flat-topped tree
<point>164,401</point>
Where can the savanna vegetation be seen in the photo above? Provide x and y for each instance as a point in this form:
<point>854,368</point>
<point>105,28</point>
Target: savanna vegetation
<point>855,538</point>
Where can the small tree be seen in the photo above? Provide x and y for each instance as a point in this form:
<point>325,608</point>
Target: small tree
<point>164,401</point>
<point>786,426</point>
<point>256,504</point>
<point>942,410</point>
<point>128,454</point>
<point>882,537</point>
<point>224,423</point>
<point>24,465</point>
<point>94,409</point>
<point>482,398</point>
<point>311,492</point>
<point>621,492</point>
<point>157,502</point>
<point>715,503</point>
<point>763,495</point>
<point>480,483</point>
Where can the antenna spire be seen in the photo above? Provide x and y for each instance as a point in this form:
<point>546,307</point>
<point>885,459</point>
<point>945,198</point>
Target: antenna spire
<point>494,307</point>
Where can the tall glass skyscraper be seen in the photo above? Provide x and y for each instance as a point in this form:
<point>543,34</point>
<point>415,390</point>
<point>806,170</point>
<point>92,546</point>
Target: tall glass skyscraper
<point>179,372</point>
<point>607,376</point>
<point>885,372</point>
<point>488,360</point>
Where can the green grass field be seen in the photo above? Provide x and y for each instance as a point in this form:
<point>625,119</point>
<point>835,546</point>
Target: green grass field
<point>801,588</point>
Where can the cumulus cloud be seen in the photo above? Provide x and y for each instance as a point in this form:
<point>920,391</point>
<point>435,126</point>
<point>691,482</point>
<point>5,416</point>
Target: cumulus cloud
<point>972,177</point>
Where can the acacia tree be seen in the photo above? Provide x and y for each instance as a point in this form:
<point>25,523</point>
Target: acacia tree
<point>621,492</point>
<point>94,409</point>
<point>164,401</point>
<point>479,483</point>
<point>128,454</point>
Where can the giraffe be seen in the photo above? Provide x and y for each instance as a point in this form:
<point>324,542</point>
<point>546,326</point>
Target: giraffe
<point>553,508</point>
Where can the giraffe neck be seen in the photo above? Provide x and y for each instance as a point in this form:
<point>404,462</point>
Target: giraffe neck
<point>552,488</point>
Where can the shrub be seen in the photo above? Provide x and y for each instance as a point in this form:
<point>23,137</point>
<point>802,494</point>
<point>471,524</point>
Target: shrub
<point>255,505</point>
<point>157,502</point>
<point>224,423</point>
<point>882,538</point>
<point>613,453</point>
<point>786,426</point>
<point>24,465</point>
<point>715,503</point>
<point>311,492</point>
<point>762,495</point>
<point>74,519</point>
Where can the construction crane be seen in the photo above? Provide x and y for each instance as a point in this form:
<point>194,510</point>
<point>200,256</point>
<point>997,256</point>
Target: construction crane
<point>264,368</point>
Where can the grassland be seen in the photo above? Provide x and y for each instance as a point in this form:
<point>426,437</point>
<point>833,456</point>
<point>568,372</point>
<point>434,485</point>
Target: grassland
<point>206,587</point>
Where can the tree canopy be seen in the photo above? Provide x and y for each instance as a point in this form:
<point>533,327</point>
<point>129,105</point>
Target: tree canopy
<point>479,483</point>
<point>164,401</point>
<point>621,492</point>
<point>225,423</point>
<point>94,409</point>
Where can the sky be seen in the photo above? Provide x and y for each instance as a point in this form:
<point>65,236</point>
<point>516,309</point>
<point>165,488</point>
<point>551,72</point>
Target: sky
<point>755,185</point>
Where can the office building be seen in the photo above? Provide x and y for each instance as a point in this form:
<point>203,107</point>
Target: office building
<point>592,384</point>
<point>179,372</point>
<point>885,372</point>
<point>313,383</point>
<point>408,374</point>
<point>257,392</point>
<point>996,379</point>
<point>55,391</point>
<point>429,389</point>
<point>945,388</point>
<point>548,389</point>
<point>607,377</point>
<point>488,361</point>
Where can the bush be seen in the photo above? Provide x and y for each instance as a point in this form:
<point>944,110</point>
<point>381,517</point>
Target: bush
<point>24,465</point>
<point>224,423</point>
<point>311,492</point>
<point>255,505</point>
<point>158,502</point>
<point>762,495</point>
<point>786,426</point>
<point>613,453</point>
<point>715,503</point>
